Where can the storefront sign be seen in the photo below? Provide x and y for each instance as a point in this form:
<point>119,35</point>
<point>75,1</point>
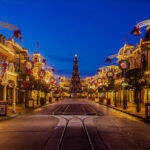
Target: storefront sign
<point>147,109</point>
<point>124,65</point>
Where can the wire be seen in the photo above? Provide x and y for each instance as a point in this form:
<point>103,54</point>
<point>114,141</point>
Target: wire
<point>9,26</point>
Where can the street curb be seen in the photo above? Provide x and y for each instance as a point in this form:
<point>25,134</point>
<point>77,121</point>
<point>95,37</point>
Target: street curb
<point>22,113</point>
<point>139,117</point>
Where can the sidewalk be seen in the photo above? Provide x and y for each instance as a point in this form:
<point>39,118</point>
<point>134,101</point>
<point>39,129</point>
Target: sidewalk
<point>131,110</point>
<point>20,109</point>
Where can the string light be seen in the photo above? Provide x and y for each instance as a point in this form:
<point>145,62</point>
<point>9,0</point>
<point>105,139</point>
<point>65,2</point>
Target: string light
<point>3,66</point>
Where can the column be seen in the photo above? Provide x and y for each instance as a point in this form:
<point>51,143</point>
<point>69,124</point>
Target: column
<point>14,100</point>
<point>37,97</point>
<point>4,91</point>
<point>124,99</point>
<point>45,97</point>
<point>115,100</point>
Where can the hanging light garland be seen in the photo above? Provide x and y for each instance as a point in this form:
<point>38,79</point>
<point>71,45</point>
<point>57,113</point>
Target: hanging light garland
<point>42,73</point>
<point>119,75</point>
<point>99,71</point>
<point>110,74</point>
<point>3,66</point>
<point>28,65</point>
<point>99,80</point>
<point>26,85</point>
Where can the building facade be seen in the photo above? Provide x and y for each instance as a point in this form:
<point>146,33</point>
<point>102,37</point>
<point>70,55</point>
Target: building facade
<point>25,79</point>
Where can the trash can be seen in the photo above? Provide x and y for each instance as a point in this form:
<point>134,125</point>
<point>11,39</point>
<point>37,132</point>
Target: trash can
<point>147,110</point>
<point>3,108</point>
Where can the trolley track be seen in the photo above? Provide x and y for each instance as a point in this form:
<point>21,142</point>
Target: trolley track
<point>85,137</point>
<point>74,125</point>
<point>71,109</point>
<point>60,109</point>
<point>62,135</point>
<point>64,132</point>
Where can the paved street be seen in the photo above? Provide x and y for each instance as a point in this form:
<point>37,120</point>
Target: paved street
<point>74,124</point>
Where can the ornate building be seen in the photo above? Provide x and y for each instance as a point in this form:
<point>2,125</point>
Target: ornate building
<point>8,73</point>
<point>24,80</point>
<point>65,83</point>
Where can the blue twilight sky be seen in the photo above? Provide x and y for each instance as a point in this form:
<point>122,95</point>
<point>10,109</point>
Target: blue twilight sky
<point>92,29</point>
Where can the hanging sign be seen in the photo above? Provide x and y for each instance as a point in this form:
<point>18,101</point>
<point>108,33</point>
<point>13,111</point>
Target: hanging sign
<point>124,65</point>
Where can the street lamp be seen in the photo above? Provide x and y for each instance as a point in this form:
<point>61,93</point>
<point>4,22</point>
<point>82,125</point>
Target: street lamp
<point>124,84</point>
<point>110,84</point>
<point>124,66</point>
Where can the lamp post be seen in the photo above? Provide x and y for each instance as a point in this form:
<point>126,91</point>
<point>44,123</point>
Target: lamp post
<point>124,85</point>
<point>26,92</point>
<point>110,77</point>
<point>38,91</point>
<point>124,66</point>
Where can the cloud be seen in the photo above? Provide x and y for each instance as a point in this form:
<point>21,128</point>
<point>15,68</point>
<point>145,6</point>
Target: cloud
<point>85,73</point>
<point>68,74</point>
<point>63,71</point>
<point>61,58</point>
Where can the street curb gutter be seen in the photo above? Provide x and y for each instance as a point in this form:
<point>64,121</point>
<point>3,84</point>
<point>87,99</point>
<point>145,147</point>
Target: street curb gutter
<point>139,117</point>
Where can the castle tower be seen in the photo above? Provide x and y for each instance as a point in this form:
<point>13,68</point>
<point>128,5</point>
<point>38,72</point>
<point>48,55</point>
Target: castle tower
<point>75,79</point>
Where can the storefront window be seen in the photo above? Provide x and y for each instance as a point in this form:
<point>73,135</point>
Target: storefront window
<point>131,96</point>
<point>146,95</point>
